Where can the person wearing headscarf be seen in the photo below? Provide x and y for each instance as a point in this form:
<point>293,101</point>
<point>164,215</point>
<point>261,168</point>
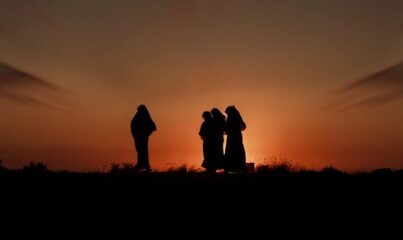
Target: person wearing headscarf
<point>142,126</point>
<point>206,133</point>
<point>235,157</point>
<point>219,130</point>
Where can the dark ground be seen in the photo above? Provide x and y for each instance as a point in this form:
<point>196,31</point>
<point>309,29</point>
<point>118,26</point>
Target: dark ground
<point>268,205</point>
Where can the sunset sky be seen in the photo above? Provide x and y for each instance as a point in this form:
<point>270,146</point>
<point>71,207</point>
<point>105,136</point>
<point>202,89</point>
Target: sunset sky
<point>319,82</point>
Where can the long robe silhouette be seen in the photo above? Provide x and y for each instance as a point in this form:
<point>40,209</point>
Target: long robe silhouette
<point>218,137</point>
<point>235,157</point>
<point>142,126</point>
<point>207,135</point>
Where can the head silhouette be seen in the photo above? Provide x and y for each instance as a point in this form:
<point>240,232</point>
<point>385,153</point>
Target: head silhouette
<point>234,116</point>
<point>142,108</point>
<point>206,115</point>
<point>143,112</point>
<point>231,111</point>
<point>217,114</point>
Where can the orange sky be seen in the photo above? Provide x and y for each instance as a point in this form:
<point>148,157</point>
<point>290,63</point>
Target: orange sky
<point>280,63</point>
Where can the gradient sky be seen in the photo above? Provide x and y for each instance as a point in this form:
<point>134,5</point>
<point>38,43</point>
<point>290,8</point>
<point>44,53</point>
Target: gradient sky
<point>320,82</point>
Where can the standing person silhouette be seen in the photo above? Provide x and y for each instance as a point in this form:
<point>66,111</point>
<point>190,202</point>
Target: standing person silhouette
<point>142,126</point>
<point>235,157</point>
<point>207,135</point>
<point>219,128</point>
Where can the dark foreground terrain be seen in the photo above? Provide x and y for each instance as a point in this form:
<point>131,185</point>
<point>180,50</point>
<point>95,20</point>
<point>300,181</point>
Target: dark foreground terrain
<point>267,204</point>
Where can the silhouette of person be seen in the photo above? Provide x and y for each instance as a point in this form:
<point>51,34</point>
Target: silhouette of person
<point>235,157</point>
<point>207,135</point>
<point>219,130</point>
<point>142,126</point>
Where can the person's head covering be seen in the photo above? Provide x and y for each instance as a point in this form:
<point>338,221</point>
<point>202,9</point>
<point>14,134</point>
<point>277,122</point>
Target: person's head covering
<point>143,112</point>
<point>142,108</point>
<point>206,115</point>
<point>233,114</point>
<point>217,113</point>
<point>230,110</point>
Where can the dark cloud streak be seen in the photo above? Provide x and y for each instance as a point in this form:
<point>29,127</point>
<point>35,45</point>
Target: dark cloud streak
<point>11,76</point>
<point>24,88</point>
<point>24,99</point>
<point>374,90</point>
<point>388,77</point>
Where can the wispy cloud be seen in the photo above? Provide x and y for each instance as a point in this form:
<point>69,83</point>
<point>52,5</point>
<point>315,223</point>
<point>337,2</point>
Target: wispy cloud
<point>373,90</point>
<point>26,89</point>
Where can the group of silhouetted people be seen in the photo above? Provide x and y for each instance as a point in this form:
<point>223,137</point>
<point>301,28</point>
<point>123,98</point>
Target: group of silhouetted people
<point>212,131</point>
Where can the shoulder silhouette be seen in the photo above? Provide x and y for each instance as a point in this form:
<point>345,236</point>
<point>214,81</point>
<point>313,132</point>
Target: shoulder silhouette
<point>142,124</point>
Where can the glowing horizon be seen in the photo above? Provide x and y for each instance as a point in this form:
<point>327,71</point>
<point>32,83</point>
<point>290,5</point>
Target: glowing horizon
<point>290,67</point>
